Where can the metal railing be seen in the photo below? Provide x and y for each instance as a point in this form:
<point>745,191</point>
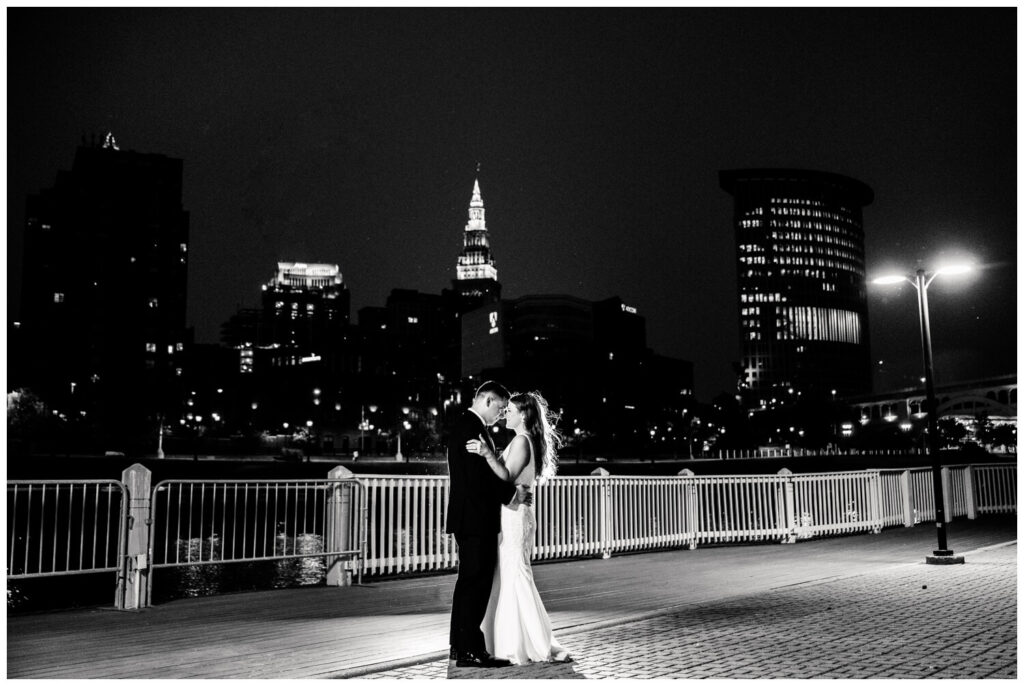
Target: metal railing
<point>405,524</point>
<point>995,488</point>
<point>216,521</point>
<point>780,451</point>
<point>837,503</point>
<point>391,525</point>
<point>579,516</point>
<point>65,527</point>
<point>737,509</point>
<point>568,519</point>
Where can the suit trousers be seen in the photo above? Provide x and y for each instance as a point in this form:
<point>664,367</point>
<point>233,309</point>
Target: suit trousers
<point>478,556</point>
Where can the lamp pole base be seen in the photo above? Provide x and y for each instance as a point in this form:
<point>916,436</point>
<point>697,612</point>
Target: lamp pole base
<point>944,557</point>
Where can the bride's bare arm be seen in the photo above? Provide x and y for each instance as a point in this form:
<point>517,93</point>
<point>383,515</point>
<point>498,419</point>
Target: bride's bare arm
<point>517,457</point>
<point>497,467</point>
<point>515,460</point>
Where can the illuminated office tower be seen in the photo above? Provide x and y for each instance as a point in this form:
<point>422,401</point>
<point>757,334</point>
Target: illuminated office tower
<point>476,280</point>
<point>305,312</point>
<point>802,295</point>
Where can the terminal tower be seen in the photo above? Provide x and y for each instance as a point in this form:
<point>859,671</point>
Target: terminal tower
<point>476,281</point>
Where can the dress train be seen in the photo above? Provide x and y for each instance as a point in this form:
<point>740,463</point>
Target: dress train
<point>516,626</point>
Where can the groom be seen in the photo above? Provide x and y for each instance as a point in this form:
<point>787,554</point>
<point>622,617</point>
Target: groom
<point>474,516</point>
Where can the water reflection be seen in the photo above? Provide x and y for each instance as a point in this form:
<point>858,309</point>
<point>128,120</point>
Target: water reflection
<point>301,571</point>
<point>198,580</point>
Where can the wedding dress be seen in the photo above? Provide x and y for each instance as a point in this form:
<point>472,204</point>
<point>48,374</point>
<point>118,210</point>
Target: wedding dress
<point>516,626</point>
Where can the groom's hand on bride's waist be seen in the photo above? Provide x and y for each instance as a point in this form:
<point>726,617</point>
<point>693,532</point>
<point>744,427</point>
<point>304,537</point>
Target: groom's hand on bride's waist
<point>523,495</point>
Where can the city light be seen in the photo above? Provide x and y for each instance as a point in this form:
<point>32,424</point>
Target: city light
<point>920,280</point>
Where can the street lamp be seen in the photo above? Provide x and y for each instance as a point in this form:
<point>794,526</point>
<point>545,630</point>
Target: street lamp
<point>920,280</point>
<point>363,424</point>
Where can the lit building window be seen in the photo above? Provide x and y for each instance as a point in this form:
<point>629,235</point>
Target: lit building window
<point>151,347</point>
<point>154,303</point>
<point>58,297</point>
<point>414,320</point>
<point>183,247</point>
<point>245,361</point>
<point>819,324</point>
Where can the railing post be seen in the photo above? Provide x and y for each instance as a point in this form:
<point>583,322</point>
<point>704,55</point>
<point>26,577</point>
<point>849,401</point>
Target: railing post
<point>947,496</point>
<point>339,520</point>
<point>133,587</point>
<point>972,510</point>
<point>690,509</point>
<point>908,506</point>
<point>787,513</point>
<point>875,501</point>
<point>605,507</point>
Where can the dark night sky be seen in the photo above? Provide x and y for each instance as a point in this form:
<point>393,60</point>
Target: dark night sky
<point>352,137</point>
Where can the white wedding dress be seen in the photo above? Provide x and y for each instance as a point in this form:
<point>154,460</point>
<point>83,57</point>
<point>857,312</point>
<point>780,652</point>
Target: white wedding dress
<point>516,626</point>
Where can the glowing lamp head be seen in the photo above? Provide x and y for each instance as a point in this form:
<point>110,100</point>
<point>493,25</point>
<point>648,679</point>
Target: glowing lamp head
<point>953,269</point>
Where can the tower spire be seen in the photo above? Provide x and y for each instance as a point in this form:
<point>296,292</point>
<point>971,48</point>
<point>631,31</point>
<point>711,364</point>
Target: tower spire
<point>476,276</point>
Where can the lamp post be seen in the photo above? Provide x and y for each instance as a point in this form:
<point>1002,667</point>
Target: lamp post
<point>404,423</point>
<point>920,280</point>
<point>160,440</point>
<point>363,424</point>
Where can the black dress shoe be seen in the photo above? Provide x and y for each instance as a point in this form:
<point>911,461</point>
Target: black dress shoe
<point>481,660</point>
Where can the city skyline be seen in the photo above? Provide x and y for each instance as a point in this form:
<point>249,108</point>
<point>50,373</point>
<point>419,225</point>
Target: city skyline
<point>354,137</point>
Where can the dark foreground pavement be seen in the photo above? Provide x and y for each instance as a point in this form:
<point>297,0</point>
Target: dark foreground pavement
<point>857,606</point>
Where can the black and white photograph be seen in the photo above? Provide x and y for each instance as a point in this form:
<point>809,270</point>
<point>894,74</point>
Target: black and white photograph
<point>511,341</point>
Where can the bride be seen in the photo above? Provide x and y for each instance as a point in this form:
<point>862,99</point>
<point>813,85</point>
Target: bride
<point>516,626</point>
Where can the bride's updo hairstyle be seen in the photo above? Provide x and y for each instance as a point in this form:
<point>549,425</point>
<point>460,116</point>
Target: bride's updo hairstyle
<point>542,429</point>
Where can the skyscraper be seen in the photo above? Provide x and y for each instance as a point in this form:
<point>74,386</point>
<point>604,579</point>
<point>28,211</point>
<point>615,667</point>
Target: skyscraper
<point>800,268</point>
<point>305,312</point>
<point>103,303</point>
<point>292,355</point>
<point>476,280</point>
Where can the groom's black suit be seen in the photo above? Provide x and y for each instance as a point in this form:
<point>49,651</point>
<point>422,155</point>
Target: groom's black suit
<point>474,516</point>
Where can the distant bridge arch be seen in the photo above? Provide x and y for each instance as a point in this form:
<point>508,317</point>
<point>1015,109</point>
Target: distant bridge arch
<point>974,405</point>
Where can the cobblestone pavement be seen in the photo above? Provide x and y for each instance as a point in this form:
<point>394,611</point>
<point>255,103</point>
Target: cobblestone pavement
<point>906,621</point>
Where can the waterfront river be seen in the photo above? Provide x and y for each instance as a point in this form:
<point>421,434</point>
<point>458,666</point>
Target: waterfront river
<point>191,581</point>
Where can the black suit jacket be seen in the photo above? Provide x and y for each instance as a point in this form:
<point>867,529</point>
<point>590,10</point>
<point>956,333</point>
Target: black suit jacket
<point>476,496</point>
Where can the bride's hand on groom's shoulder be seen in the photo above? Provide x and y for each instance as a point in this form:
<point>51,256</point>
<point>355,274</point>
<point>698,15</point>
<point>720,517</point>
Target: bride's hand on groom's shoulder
<point>523,495</point>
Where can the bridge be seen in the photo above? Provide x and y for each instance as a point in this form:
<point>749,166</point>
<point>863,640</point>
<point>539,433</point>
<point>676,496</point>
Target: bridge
<point>995,398</point>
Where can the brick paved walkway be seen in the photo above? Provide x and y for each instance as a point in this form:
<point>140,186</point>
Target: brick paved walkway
<point>904,621</point>
<point>828,607</point>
